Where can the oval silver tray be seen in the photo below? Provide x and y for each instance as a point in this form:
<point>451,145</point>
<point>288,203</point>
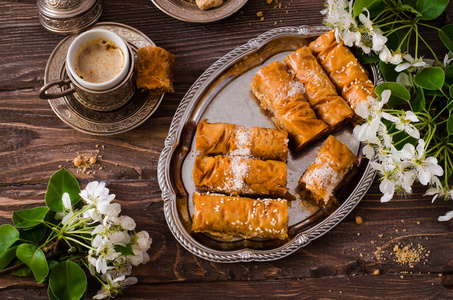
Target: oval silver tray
<point>222,94</point>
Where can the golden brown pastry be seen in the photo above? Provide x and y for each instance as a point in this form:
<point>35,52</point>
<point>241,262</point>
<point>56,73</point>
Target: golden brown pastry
<point>207,4</point>
<point>155,69</point>
<point>229,216</point>
<point>343,68</point>
<point>333,161</point>
<point>240,176</point>
<point>236,140</point>
<point>284,98</point>
<point>320,91</point>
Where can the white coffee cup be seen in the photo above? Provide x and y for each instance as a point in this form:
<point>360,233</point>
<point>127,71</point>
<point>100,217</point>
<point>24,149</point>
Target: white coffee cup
<point>104,96</point>
<point>91,35</point>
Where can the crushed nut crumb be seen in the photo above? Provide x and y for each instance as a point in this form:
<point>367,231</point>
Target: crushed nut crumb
<point>358,220</point>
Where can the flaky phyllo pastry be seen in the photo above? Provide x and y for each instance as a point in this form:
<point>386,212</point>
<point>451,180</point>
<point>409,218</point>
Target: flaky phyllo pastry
<point>229,216</point>
<point>284,98</point>
<point>320,91</point>
<point>240,176</point>
<point>154,69</point>
<point>236,140</point>
<point>343,69</point>
<point>333,161</point>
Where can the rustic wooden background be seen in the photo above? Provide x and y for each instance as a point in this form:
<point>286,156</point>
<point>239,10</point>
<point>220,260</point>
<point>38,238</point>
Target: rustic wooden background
<point>34,142</point>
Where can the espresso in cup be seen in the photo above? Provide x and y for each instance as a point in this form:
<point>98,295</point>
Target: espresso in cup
<point>99,60</point>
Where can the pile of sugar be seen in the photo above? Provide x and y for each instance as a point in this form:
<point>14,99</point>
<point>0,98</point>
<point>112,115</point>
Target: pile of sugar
<point>242,137</point>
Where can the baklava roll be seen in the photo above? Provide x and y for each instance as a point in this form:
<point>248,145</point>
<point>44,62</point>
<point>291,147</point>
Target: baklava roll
<point>320,91</point>
<point>228,216</point>
<point>333,161</point>
<point>343,68</point>
<point>236,140</point>
<point>284,98</point>
<point>240,176</point>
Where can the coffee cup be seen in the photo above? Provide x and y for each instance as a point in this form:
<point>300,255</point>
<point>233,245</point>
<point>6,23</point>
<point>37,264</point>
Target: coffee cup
<point>100,67</point>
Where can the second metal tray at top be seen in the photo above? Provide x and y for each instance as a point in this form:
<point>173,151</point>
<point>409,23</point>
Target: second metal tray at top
<point>222,94</point>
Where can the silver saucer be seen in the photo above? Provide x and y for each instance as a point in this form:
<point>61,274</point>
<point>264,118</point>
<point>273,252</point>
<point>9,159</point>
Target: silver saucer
<point>141,106</point>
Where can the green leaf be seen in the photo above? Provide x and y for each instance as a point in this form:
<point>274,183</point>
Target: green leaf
<point>388,71</point>
<point>23,271</point>
<point>359,5</point>
<point>51,294</point>
<point>8,236</point>
<point>419,103</point>
<point>7,257</point>
<point>34,235</point>
<point>450,124</point>
<point>431,78</point>
<point>34,258</point>
<point>62,182</point>
<point>446,35</point>
<point>27,218</point>
<point>430,9</point>
<point>367,59</point>
<point>449,71</point>
<point>68,281</point>
<point>399,93</point>
<point>52,264</point>
<point>127,250</point>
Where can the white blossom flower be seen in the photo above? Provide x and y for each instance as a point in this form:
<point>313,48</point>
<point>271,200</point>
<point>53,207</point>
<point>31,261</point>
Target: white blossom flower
<point>96,193</point>
<point>448,216</point>
<point>426,167</point>
<point>127,223</point>
<point>410,63</point>
<point>386,56</point>
<point>113,286</point>
<point>143,240</point>
<point>66,201</point>
<point>403,122</point>
<point>448,59</point>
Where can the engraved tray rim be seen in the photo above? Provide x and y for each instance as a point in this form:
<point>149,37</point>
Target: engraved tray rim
<point>172,141</point>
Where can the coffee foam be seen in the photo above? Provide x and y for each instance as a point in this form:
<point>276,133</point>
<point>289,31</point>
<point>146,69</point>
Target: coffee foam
<point>98,61</point>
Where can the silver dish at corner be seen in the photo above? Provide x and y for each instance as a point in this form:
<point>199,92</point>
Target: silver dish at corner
<point>188,11</point>
<point>222,94</point>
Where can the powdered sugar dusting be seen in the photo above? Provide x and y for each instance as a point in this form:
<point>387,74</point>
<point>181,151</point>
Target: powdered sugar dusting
<point>242,138</point>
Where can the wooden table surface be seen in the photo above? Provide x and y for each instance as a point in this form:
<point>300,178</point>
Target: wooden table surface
<point>341,264</point>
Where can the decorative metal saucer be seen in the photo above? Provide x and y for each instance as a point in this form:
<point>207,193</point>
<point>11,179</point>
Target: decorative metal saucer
<point>188,11</point>
<point>141,106</point>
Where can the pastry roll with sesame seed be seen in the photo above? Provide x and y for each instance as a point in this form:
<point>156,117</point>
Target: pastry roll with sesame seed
<point>284,98</point>
<point>320,91</point>
<point>229,216</point>
<point>240,176</point>
<point>333,161</point>
<point>236,140</point>
<point>343,69</point>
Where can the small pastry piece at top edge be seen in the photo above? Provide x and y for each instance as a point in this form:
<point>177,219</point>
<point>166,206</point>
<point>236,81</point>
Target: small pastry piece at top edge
<point>284,98</point>
<point>207,4</point>
<point>333,162</point>
<point>240,176</point>
<point>155,69</point>
<point>320,91</point>
<point>343,69</point>
<point>236,140</point>
<point>229,216</point>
